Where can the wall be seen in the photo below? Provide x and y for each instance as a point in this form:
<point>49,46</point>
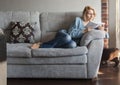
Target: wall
<point>118,24</point>
<point>112,23</point>
<point>49,5</point>
<point>104,4</point>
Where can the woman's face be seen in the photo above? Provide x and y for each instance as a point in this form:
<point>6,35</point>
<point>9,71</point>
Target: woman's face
<point>90,15</point>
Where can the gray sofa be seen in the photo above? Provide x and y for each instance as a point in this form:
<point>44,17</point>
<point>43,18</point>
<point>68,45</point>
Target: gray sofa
<point>23,62</point>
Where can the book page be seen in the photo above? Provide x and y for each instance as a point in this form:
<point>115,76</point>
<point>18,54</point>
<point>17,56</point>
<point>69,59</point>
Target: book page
<point>93,25</point>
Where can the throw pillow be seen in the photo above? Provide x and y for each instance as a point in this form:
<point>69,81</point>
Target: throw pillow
<point>21,32</point>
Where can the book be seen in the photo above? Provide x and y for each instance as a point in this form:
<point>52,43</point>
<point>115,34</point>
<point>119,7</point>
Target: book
<point>93,25</point>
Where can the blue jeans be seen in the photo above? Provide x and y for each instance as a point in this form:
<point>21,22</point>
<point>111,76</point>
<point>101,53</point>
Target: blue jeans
<point>61,40</point>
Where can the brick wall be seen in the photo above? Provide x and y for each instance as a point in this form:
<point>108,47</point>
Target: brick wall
<point>104,6</point>
<point>104,15</point>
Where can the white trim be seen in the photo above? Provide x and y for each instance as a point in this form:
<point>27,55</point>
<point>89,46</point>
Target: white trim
<point>118,24</point>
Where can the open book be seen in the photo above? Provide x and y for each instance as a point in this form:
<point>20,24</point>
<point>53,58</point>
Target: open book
<point>93,25</point>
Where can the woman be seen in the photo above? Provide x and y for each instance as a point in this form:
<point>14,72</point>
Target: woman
<point>70,38</point>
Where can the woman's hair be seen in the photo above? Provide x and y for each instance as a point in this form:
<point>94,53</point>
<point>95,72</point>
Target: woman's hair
<point>85,11</point>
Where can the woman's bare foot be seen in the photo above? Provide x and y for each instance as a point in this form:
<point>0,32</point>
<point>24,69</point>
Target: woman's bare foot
<point>35,45</point>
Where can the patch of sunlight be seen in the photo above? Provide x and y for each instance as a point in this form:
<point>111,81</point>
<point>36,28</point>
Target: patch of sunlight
<point>100,73</point>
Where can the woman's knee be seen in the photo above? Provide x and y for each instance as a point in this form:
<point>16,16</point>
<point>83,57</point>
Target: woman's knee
<point>72,44</point>
<point>61,33</point>
<point>67,37</point>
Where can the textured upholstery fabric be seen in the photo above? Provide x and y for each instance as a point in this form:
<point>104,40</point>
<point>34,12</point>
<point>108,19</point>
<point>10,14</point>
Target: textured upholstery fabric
<point>94,60</point>
<point>18,50</point>
<point>91,35</point>
<point>66,60</point>
<point>50,52</point>
<point>47,71</point>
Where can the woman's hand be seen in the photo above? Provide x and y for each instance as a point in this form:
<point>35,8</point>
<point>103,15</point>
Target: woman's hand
<point>88,29</point>
<point>102,27</point>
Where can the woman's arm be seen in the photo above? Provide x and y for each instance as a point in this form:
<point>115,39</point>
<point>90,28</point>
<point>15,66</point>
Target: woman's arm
<point>76,29</point>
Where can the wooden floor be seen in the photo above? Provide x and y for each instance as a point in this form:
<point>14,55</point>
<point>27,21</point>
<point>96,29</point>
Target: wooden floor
<point>107,76</point>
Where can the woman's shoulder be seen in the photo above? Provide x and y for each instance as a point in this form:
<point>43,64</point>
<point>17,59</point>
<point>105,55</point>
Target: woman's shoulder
<point>78,19</point>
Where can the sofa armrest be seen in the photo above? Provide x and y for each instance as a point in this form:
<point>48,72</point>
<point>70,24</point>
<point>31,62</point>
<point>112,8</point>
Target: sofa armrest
<point>94,42</point>
<point>2,46</point>
<point>91,35</point>
<point>95,49</point>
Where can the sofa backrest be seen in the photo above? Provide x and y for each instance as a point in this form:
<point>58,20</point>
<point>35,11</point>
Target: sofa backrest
<point>21,16</point>
<point>51,22</point>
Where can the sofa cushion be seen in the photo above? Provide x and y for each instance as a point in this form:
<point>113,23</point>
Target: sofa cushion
<point>56,52</point>
<point>18,50</point>
<point>53,60</point>
<point>22,32</point>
